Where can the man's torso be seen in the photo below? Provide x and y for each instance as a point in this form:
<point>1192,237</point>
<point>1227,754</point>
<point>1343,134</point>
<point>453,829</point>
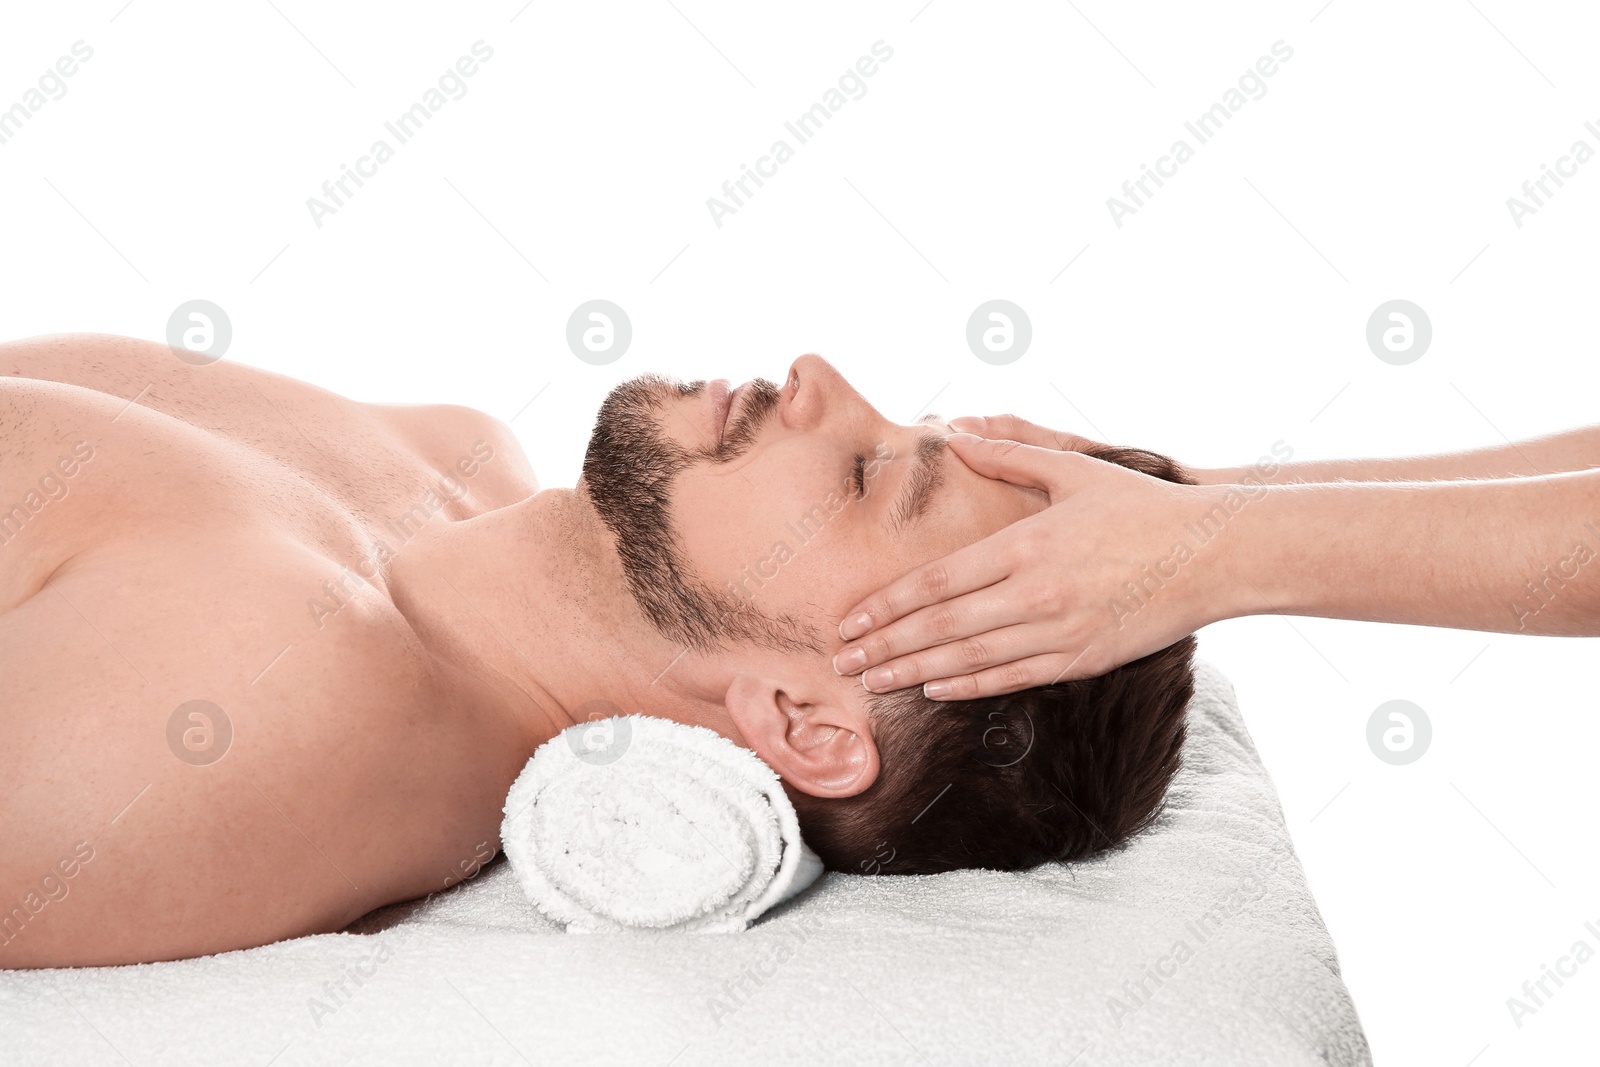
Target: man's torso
<point>205,686</point>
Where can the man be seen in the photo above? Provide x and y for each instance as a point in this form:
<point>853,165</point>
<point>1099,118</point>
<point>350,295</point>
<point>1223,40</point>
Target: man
<point>272,657</point>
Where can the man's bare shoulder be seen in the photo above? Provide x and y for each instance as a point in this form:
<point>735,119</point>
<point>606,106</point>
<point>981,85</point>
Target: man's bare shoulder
<point>444,435</point>
<point>289,419</point>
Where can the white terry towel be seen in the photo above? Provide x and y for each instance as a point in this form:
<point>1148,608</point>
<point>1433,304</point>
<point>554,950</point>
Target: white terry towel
<point>641,822</point>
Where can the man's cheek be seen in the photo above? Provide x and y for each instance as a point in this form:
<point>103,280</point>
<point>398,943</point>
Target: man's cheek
<point>740,553</point>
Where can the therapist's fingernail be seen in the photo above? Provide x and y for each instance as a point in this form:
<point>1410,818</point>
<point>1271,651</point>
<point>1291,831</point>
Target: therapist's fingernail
<point>936,689</point>
<point>850,661</point>
<point>855,626</point>
<point>878,678</point>
<point>962,438</point>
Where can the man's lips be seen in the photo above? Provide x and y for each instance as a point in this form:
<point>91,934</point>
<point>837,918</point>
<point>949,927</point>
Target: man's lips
<point>723,405</point>
<point>721,402</point>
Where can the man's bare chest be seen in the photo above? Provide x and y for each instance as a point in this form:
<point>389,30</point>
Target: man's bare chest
<point>184,566</point>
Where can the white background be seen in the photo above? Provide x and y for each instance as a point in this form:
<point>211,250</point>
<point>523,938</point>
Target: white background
<point>1227,314</point>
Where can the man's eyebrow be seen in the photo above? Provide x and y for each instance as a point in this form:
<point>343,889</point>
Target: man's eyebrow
<point>927,474</point>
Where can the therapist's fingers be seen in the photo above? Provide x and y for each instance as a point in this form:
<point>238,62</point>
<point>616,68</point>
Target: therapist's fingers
<point>951,622</point>
<point>1016,428</point>
<point>967,655</point>
<point>1018,675</point>
<point>983,562</point>
<point>971,567</point>
<point>1026,465</point>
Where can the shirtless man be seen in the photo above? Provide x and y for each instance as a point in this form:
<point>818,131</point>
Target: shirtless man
<point>271,658</point>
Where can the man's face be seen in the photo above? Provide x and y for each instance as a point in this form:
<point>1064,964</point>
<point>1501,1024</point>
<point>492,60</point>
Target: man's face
<point>769,528</point>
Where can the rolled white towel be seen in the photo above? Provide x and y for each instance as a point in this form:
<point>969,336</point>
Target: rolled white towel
<point>640,822</point>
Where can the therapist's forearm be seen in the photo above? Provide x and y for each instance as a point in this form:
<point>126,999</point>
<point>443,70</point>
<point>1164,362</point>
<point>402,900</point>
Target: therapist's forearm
<point>1517,555</point>
<point>1570,450</point>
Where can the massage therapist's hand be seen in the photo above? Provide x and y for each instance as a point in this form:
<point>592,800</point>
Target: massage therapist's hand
<point>1121,564</point>
<point>1034,603</point>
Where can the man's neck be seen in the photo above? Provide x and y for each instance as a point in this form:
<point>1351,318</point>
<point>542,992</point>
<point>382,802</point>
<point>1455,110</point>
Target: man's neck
<point>531,599</point>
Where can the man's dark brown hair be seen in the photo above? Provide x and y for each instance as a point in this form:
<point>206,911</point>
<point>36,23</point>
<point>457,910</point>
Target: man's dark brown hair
<point>1057,772</point>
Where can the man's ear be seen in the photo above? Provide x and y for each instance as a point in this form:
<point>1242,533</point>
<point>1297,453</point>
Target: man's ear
<point>819,741</point>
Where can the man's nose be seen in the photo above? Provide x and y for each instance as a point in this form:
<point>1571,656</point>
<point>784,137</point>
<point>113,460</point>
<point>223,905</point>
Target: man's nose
<point>809,400</point>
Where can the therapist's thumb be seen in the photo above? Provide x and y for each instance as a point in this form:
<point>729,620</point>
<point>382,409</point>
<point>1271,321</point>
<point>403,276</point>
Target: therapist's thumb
<point>1013,461</point>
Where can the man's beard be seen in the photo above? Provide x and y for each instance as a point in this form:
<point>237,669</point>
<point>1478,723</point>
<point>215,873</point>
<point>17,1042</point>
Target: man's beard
<point>629,469</point>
